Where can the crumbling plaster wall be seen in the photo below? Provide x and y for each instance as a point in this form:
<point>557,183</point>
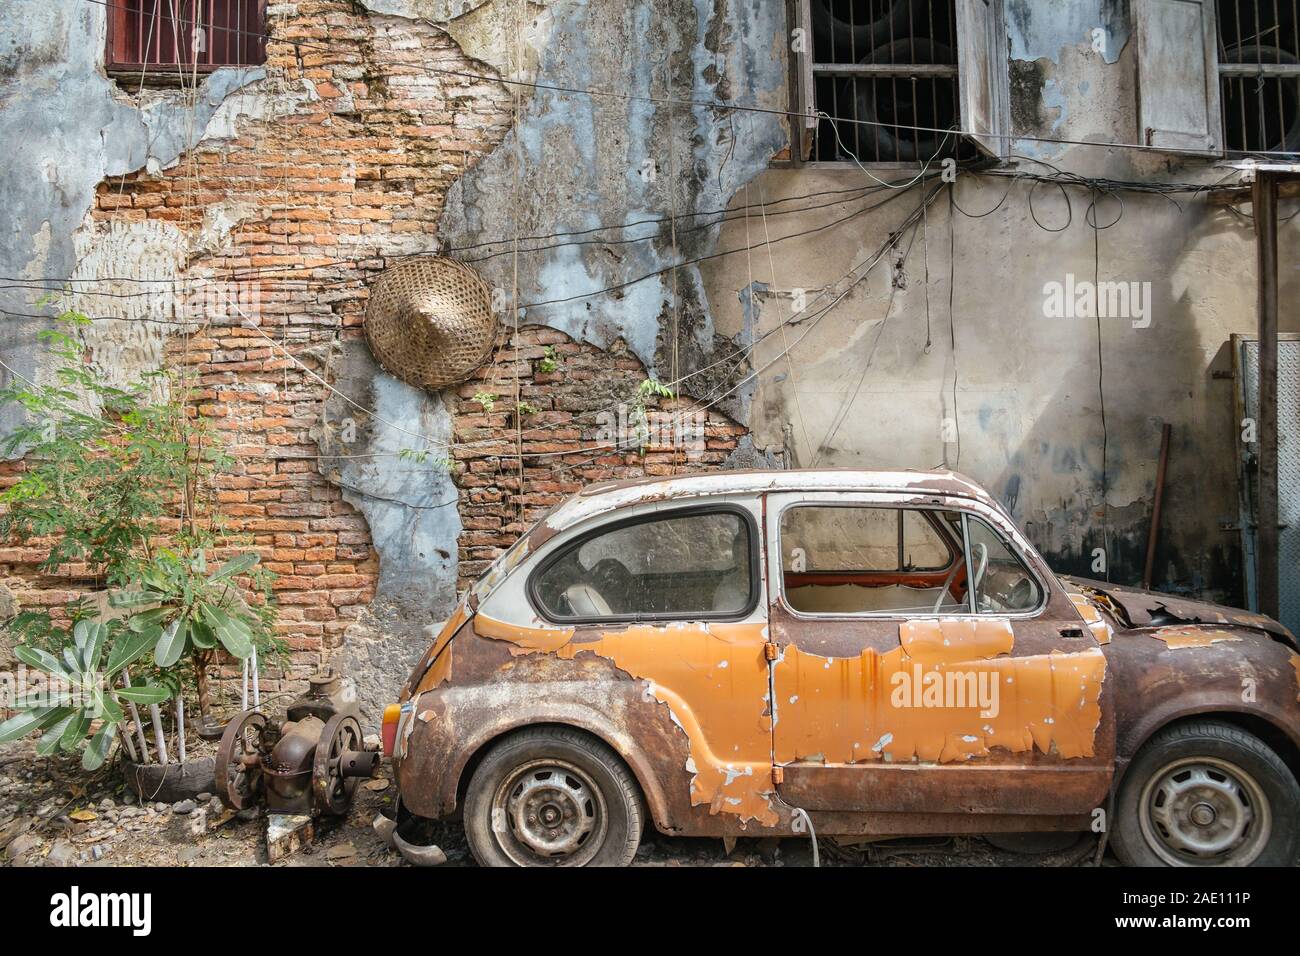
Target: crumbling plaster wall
<point>66,127</point>
<point>575,163</point>
<point>582,162</point>
<point>1026,396</point>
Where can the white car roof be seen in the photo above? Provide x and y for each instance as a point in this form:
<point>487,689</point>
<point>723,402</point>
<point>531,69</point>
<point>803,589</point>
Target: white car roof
<point>606,496</point>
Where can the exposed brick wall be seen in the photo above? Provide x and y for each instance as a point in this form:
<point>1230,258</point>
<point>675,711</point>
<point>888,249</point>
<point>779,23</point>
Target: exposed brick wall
<point>351,160</point>
<point>348,155</point>
<point>578,413</point>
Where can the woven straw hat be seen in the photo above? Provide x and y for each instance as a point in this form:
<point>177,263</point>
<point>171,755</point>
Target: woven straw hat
<point>430,322</point>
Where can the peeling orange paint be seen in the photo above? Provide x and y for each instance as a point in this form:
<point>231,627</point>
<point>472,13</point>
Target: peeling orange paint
<point>449,629</point>
<point>527,640</point>
<point>1295,663</point>
<point>438,673</point>
<point>1180,637</point>
<point>1091,616</point>
<point>714,679</point>
<point>927,699</point>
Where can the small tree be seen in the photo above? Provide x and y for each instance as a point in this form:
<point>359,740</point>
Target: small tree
<point>121,480</point>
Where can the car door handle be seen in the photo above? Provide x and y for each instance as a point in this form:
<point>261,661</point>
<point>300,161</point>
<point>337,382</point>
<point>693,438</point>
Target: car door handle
<point>1072,632</point>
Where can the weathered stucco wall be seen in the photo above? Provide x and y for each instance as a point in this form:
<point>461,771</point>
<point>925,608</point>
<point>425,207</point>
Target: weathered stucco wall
<point>1021,391</point>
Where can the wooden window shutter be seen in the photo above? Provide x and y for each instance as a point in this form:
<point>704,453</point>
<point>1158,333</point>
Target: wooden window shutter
<point>1178,79</point>
<point>984,86</point>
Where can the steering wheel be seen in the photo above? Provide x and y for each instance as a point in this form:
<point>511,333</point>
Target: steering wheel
<point>979,576</point>
<point>947,585</point>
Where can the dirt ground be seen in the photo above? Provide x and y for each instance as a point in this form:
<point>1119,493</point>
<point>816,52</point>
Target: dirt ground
<point>54,814</point>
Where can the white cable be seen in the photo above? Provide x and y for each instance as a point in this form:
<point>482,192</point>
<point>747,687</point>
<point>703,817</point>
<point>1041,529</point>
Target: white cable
<point>800,821</point>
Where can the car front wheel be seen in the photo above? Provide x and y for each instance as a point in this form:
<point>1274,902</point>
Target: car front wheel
<point>1207,793</point>
<point>553,796</point>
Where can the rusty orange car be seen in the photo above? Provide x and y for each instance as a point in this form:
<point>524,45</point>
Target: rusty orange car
<point>847,652</point>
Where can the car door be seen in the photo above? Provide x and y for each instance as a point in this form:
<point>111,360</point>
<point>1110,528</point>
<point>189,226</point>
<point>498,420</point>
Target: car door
<point>900,687</point>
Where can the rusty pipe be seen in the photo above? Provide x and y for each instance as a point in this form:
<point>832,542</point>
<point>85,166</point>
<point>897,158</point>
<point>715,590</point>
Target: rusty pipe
<point>1153,533</point>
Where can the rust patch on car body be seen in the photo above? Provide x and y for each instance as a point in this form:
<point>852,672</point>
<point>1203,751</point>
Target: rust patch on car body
<point>1099,626</point>
<point>713,678</point>
<point>420,678</point>
<point>870,708</point>
<point>1176,638</point>
<point>1295,663</point>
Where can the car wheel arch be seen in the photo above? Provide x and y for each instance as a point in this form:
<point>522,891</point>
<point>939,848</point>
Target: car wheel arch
<point>632,756</point>
<point>1268,727</point>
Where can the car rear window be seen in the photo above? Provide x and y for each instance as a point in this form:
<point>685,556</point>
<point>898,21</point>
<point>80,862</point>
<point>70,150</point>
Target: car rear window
<point>684,565</point>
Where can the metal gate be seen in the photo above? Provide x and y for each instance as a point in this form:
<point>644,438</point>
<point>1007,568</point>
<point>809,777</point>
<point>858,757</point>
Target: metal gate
<point>1245,356</point>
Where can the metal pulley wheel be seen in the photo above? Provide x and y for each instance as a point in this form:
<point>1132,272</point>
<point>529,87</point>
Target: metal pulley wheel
<point>340,761</point>
<point>239,781</point>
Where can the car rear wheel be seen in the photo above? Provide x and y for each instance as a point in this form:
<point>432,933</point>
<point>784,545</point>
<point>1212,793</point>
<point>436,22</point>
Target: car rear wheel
<point>552,796</point>
<point>1206,793</point>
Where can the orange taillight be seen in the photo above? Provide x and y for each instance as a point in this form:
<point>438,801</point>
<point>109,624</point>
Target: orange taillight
<point>392,714</point>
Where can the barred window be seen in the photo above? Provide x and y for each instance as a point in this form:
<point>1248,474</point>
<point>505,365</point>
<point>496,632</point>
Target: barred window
<point>162,37</point>
<point>888,81</point>
<point>1259,74</point>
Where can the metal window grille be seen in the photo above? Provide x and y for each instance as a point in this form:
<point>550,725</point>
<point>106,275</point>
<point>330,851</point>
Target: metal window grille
<point>887,72</point>
<point>1259,74</point>
<point>202,34</point>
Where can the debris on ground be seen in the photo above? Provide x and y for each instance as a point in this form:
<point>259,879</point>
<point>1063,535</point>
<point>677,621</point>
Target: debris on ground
<point>53,814</point>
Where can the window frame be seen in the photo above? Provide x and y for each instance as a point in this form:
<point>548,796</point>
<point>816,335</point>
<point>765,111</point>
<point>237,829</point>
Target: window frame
<point>565,548</point>
<point>803,74</point>
<point>1044,594</point>
<point>120,18</point>
<point>1224,71</point>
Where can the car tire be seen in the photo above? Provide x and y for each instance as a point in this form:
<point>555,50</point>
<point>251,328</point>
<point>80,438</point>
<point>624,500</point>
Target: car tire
<point>1207,793</point>
<point>553,796</point>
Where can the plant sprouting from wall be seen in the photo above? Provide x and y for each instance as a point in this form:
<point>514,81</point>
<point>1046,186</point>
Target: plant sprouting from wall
<point>649,390</point>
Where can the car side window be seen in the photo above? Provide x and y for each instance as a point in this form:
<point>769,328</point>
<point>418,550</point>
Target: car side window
<point>840,559</point>
<point>1002,583</point>
<point>698,564</point>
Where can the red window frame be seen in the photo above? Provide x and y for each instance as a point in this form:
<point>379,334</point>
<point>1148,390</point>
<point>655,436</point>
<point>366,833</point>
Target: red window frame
<point>156,35</point>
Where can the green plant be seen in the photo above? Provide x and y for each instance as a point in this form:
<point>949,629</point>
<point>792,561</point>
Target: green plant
<point>79,693</point>
<point>527,408</point>
<point>649,388</point>
<point>487,400</point>
<point>652,387</point>
<point>422,456</point>
<point>121,480</point>
<point>549,362</point>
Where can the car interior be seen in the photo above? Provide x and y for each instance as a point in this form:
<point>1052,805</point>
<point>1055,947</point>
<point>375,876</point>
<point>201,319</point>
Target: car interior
<point>697,563</point>
<point>866,560</point>
<point>835,560</point>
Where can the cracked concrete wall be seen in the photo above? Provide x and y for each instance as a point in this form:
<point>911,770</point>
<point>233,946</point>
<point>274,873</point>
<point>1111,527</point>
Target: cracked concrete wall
<point>596,162</point>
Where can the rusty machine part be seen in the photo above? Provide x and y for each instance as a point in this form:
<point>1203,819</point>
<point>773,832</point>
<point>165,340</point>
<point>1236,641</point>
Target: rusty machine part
<point>240,785</point>
<point>307,763</point>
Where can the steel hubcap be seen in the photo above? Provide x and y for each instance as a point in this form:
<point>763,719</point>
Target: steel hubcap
<point>1203,810</point>
<point>551,812</point>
